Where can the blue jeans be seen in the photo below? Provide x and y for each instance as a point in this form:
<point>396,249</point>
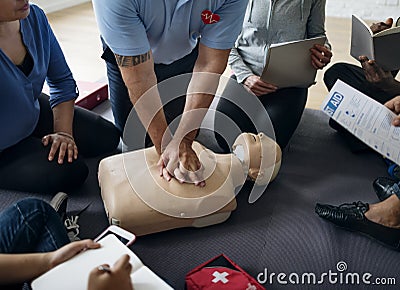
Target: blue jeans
<point>120,102</point>
<point>31,225</point>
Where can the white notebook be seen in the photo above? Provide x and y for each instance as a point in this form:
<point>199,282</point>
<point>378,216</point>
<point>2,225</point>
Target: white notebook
<point>74,273</point>
<point>288,64</point>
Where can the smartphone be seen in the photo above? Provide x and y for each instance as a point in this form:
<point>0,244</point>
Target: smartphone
<point>123,235</point>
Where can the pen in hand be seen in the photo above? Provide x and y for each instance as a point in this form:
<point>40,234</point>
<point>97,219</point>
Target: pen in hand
<point>104,268</point>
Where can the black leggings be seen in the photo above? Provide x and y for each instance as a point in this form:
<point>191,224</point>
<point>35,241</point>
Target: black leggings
<point>354,76</point>
<point>25,167</point>
<point>284,108</point>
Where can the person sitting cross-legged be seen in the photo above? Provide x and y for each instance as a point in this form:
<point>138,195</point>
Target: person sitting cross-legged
<point>381,220</point>
<point>42,137</point>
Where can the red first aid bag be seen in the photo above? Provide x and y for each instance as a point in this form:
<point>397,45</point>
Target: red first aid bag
<point>220,273</point>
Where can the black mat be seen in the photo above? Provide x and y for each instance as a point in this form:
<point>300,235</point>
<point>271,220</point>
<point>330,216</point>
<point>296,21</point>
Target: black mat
<point>280,233</point>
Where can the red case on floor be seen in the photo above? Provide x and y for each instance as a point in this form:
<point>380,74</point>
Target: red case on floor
<point>91,94</point>
<point>220,273</point>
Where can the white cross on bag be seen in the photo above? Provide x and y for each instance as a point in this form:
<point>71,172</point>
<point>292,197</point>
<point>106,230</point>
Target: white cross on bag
<point>220,277</point>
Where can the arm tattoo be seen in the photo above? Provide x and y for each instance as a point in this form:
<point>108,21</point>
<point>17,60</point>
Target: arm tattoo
<point>125,61</point>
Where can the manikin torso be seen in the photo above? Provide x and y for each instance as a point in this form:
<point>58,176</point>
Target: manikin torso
<point>137,198</point>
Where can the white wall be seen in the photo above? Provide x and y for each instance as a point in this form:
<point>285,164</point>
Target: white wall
<point>55,5</point>
<point>366,9</point>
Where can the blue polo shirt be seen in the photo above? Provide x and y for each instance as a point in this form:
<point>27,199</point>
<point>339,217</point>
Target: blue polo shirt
<point>19,105</point>
<point>170,28</point>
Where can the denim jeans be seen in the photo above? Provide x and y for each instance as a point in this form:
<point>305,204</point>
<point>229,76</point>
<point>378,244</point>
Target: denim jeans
<point>120,102</point>
<point>31,225</point>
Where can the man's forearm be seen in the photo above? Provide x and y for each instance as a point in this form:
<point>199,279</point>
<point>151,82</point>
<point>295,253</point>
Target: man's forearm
<point>200,95</point>
<point>150,112</point>
<point>209,66</point>
<point>195,109</point>
<point>141,82</point>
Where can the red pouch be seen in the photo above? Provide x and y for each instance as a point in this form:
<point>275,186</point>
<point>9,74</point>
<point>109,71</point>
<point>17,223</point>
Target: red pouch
<point>220,273</point>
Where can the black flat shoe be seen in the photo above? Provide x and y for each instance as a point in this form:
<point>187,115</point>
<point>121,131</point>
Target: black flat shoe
<point>385,187</point>
<point>351,217</point>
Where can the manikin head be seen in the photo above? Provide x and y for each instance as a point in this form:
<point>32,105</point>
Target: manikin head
<point>260,155</point>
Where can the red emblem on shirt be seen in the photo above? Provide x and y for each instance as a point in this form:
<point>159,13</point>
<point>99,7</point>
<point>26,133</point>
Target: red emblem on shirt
<point>209,18</point>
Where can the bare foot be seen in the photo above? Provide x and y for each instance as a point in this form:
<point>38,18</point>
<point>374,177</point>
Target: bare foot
<point>386,213</point>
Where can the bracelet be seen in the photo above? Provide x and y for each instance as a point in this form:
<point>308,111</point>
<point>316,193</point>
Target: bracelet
<point>66,135</point>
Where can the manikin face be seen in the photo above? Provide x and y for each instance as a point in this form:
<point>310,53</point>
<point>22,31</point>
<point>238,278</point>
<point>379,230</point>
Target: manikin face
<point>11,10</point>
<point>259,154</point>
<point>252,147</point>
<point>247,147</point>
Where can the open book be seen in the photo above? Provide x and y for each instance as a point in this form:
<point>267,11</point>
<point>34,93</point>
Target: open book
<point>288,64</point>
<point>365,118</point>
<point>74,273</point>
<point>383,47</point>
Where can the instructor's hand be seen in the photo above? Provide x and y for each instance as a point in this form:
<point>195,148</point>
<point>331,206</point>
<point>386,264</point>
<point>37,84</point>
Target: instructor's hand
<point>180,161</point>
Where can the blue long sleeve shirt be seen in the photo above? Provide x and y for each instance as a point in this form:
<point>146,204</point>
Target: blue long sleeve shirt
<point>19,106</point>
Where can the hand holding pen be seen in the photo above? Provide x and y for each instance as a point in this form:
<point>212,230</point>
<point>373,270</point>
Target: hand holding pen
<point>105,277</point>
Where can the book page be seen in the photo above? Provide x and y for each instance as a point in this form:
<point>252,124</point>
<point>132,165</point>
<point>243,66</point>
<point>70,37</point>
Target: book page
<point>365,118</point>
<point>361,39</point>
<point>74,273</point>
<point>289,63</point>
<point>145,279</point>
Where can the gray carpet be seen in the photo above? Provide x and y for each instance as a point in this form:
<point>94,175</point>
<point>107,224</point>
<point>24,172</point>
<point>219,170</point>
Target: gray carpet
<point>280,233</point>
